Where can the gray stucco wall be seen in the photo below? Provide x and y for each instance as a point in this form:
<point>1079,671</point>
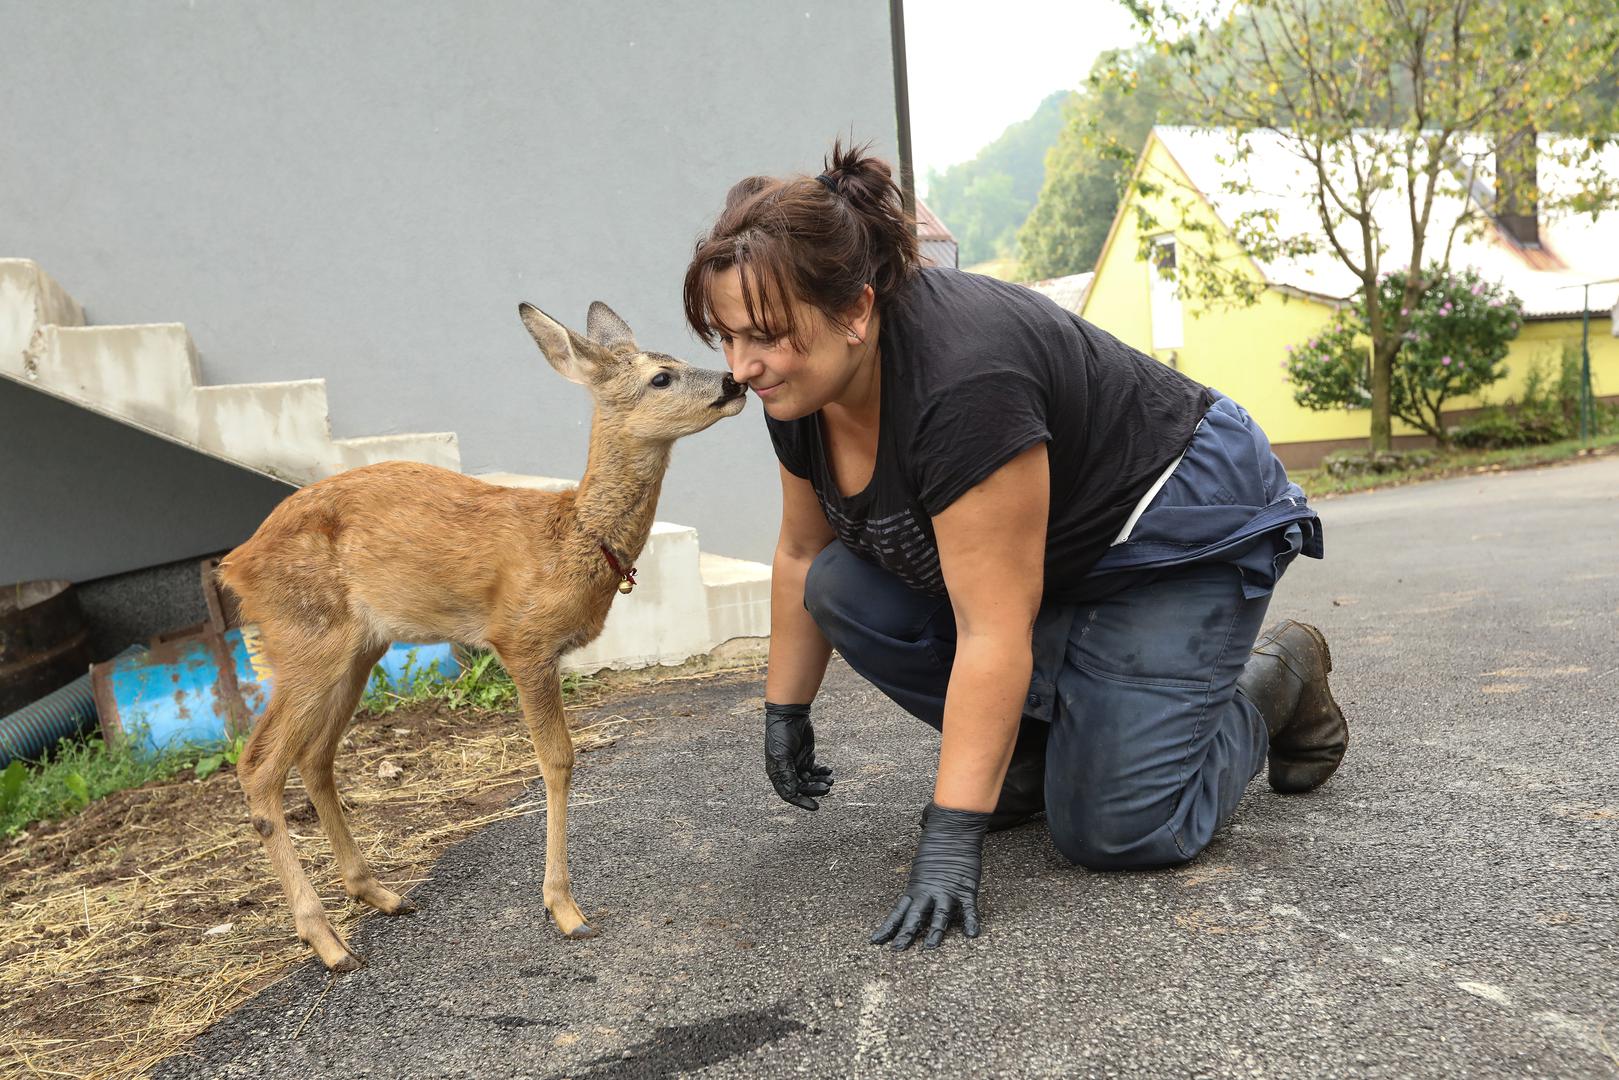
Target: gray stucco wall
<point>102,497</point>
<point>363,192</point>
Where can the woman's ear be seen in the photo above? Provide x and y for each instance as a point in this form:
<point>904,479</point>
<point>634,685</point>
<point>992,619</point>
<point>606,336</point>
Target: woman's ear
<point>857,318</point>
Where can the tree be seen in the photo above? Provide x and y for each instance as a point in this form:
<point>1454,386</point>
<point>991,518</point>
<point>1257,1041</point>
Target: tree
<point>1387,102</point>
<point>1459,330</point>
<point>983,201</point>
<point>1103,126</point>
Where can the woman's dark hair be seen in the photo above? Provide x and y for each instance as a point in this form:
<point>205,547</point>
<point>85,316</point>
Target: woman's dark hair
<point>818,241</point>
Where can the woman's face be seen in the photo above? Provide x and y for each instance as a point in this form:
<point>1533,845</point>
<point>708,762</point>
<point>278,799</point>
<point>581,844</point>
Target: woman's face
<point>789,383</point>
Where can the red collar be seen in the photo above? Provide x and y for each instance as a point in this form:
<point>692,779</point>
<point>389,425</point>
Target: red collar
<point>626,577</point>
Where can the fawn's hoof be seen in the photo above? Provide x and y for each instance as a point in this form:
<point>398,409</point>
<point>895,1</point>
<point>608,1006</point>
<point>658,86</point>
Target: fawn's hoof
<point>349,962</point>
<point>404,907</point>
<point>581,932</point>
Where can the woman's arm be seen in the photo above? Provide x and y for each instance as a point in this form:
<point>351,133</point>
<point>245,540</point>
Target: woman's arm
<point>798,651</point>
<point>992,543</point>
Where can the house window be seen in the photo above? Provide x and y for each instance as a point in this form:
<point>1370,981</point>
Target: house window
<point>1168,320</point>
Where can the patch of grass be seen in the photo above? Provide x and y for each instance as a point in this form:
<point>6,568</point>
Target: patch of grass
<point>133,926</point>
<point>1317,482</point>
<point>76,774</point>
<point>483,685</point>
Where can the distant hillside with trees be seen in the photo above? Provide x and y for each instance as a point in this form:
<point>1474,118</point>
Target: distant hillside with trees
<point>1104,127</point>
<point>985,201</point>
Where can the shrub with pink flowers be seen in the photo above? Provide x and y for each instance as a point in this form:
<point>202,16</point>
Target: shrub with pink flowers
<point>1455,343</point>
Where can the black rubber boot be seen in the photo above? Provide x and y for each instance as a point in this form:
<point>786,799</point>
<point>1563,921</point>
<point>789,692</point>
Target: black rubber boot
<point>1286,679</point>
<point>1023,792</point>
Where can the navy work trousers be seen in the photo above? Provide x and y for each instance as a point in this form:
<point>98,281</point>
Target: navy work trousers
<point>1150,744</point>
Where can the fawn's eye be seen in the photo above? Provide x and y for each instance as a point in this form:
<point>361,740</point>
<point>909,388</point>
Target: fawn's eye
<point>662,379</point>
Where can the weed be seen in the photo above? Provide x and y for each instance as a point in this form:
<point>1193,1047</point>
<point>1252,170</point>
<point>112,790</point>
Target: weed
<point>228,755</point>
<point>483,685</point>
<point>1320,482</point>
<point>76,774</point>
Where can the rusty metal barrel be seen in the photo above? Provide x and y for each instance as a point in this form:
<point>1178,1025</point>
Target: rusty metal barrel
<point>44,643</point>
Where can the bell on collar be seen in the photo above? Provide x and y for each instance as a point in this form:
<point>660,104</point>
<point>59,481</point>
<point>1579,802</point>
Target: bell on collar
<point>625,586</point>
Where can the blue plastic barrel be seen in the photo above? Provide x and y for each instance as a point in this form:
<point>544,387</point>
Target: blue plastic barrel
<point>209,688</point>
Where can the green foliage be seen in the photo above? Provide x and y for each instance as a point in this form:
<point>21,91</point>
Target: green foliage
<point>1459,328</point>
<point>1104,126</point>
<point>226,755</point>
<point>415,686</point>
<point>483,684</point>
<point>1380,106</point>
<point>1546,412</point>
<point>11,782</point>
<point>984,201</point>
<point>1497,429</point>
<point>75,774</point>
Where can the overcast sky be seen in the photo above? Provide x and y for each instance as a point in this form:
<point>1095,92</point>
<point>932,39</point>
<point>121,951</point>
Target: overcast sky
<point>976,66</point>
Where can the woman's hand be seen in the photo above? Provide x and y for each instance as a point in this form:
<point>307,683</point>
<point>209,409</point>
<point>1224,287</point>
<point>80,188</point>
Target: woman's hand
<point>790,756</point>
<point>944,879</point>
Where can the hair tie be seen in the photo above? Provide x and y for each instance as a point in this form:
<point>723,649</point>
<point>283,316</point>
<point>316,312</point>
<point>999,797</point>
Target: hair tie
<point>828,183</point>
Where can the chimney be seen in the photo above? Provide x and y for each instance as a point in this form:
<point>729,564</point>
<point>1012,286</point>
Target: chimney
<point>1516,198</point>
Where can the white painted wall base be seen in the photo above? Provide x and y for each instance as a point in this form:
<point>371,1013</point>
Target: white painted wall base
<point>147,377</point>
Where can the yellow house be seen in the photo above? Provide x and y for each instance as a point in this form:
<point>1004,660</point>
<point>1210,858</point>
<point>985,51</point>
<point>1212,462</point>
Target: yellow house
<point>1240,350</point>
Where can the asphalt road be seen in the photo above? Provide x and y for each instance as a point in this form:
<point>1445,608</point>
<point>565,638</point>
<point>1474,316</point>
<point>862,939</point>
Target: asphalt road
<point>1445,906</point>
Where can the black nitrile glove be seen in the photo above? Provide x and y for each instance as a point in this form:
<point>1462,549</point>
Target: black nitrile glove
<point>790,756</point>
<point>944,878</point>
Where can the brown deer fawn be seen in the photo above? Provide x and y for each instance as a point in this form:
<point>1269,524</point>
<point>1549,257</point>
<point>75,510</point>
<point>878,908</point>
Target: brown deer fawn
<point>406,552</point>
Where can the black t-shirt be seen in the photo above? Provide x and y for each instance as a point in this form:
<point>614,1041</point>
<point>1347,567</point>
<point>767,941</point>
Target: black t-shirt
<point>974,371</point>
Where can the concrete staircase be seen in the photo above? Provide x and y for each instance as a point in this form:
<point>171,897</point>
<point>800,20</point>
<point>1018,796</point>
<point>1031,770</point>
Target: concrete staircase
<point>687,601</point>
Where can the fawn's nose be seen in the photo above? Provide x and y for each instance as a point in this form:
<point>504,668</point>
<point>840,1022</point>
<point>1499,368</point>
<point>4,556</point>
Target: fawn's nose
<point>730,387</point>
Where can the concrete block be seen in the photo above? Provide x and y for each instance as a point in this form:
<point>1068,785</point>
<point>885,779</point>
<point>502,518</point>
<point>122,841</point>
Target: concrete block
<point>440,448</point>
<point>29,298</point>
<point>145,375</point>
<point>278,428</point>
<point>737,593</point>
<point>538,483</point>
<point>665,620</point>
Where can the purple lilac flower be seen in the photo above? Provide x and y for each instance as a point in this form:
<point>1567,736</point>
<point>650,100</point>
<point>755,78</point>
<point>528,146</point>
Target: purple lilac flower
<point>1445,361</point>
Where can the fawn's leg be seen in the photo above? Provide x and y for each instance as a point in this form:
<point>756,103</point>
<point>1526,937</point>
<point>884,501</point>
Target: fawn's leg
<point>315,765</point>
<point>540,688</point>
<point>298,708</point>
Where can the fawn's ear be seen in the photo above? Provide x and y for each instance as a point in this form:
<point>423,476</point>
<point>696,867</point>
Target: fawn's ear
<point>605,328</point>
<point>566,351</point>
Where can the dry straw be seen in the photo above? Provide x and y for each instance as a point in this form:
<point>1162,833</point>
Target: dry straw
<point>107,963</point>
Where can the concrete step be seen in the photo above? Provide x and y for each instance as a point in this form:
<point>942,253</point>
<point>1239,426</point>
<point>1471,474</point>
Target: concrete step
<point>29,299</point>
<point>280,427</point>
<point>738,593</point>
<point>440,448</point>
<point>522,480</point>
<point>146,375</point>
<point>685,603</point>
<point>665,619</point>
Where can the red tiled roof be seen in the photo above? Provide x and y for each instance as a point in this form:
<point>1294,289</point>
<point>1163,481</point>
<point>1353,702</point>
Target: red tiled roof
<point>928,225</point>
